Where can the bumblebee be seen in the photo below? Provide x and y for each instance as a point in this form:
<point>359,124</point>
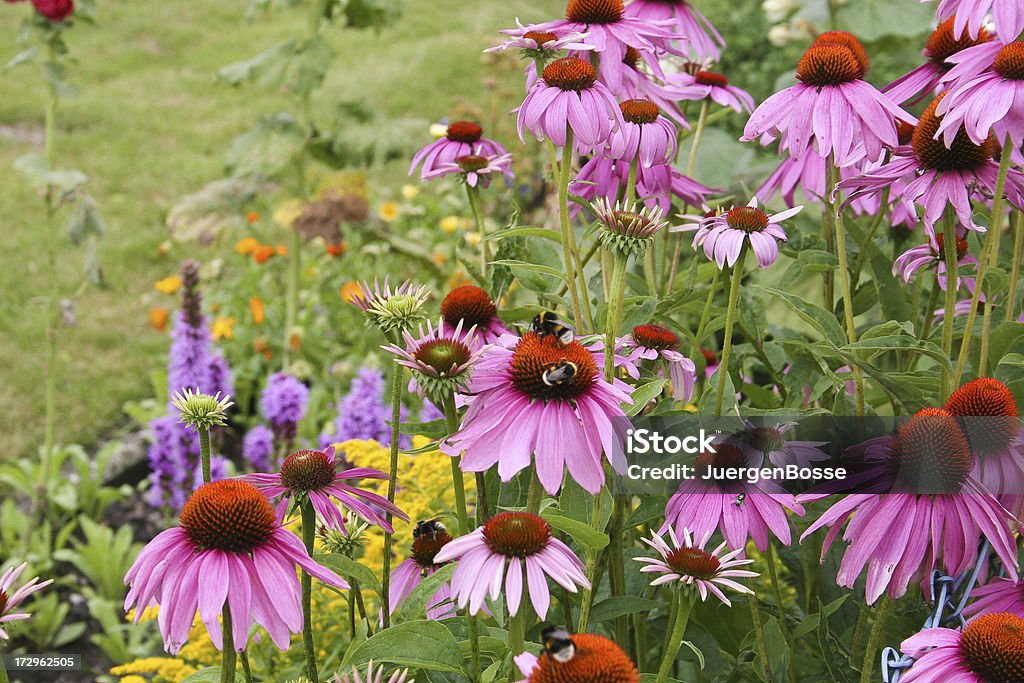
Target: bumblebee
<point>430,527</point>
<point>560,373</point>
<point>547,323</point>
<point>558,644</point>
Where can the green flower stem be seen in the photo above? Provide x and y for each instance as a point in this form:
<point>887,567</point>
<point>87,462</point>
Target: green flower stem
<point>929,313</point>
<point>568,238</point>
<point>1018,253</point>
<point>308,536</point>
<point>858,265</point>
<point>617,560</point>
<point>762,645</point>
<point>243,656</point>
<point>614,314</point>
<point>988,257</point>
<point>452,419</point>
<point>204,454</point>
<point>227,669</point>
<point>3,672</point>
<point>691,165</point>
<point>948,321</point>
<point>397,378</point>
<point>478,217</point>
<point>874,640</point>
<point>535,494</point>
<point>517,638</point>
<point>587,599</point>
<point>730,323</point>
<point>836,211</point>
<point>777,592</point>
<point>675,637</point>
<point>706,313</point>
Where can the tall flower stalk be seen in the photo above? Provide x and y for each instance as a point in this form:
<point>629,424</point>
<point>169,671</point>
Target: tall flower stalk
<point>949,319</point>
<point>730,324</point>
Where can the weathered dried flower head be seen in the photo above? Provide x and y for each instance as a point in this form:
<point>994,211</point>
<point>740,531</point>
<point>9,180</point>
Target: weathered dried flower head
<point>201,411</point>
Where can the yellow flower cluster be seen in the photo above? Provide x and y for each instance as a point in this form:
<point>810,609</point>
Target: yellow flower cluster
<point>424,492</point>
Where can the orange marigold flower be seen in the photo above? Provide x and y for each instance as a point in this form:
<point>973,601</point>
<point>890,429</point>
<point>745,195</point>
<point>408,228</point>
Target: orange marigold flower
<point>259,313</point>
<point>350,292</point>
<point>158,318</point>
<point>252,217</point>
<point>336,249</point>
<point>295,341</point>
<point>247,245</point>
<point>261,346</point>
<point>263,253</point>
<point>168,285</point>
<point>223,327</point>
<point>281,250</point>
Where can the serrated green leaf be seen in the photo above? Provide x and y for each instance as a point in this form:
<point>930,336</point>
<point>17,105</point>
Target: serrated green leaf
<point>350,569</point>
<point>812,314</point>
<point>621,605</point>
<point>418,644</point>
<point>644,394</point>
<point>581,532</point>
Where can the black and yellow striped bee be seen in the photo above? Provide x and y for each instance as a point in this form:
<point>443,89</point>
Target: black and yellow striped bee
<point>430,527</point>
<point>558,644</point>
<point>560,373</point>
<point>547,323</point>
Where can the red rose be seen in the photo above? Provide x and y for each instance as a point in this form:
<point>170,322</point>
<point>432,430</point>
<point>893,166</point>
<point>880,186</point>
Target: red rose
<point>55,10</point>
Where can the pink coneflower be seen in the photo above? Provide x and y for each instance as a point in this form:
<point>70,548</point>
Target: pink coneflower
<point>428,539</point>
<point>569,96</point>
<point>653,342</point>
<point>723,235</point>
<point>314,474</point>
<point>9,599</point>
<point>471,306</point>
<point>525,394</point>
<point>645,135</point>
<point>924,510</point>
<point>511,550</point>
<point>703,39</point>
<point>998,595</point>
<point>738,509</point>
<point>924,80</point>
<point>971,14</point>
<point>709,85</point>
<point>462,138</point>
<point>602,176</point>
<point>931,255</point>
<point>832,107</point>
<point>763,442</point>
<point>988,415</point>
<point>687,563</point>
<point>637,83</point>
<point>229,547</point>
<point>938,176</point>
<point>591,659</point>
<point>540,43</point>
<point>474,169</point>
<point>610,31</point>
<point>989,650</point>
<point>986,94</point>
<point>440,359</point>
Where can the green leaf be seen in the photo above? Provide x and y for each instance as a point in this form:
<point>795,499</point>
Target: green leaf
<point>1007,337</point>
<point>208,675</point>
<point>526,231</point>
<point>812,314</point>
<point>644,394</point>
<point>620,605</point>
<point>85,221</point>
<point>873,347</point>
<point>309,66</point>
<point>267,68</point>
<point>419,644</point>
<point>267,148</point>
<point>415,605</point>
<point>581,532</point>
<point>38,170</point>
<point>350,569</point>
<point>873,19</point>
<point>532,267</point>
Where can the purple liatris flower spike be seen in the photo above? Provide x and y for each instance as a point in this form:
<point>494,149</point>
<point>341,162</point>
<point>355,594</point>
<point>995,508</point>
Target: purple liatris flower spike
<point>258,446</point>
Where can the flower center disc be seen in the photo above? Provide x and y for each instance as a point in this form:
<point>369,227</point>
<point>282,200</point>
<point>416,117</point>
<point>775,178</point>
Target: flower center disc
<point>830,64</point>
<point>693,562</point>
<point>631,57</point>
<point>228,515</point>
<point>471,162</point>
<point>711,78</point>
<point>766,439</point>
<point>961,250</point>
<point>747,218</point>
<point>307,471</point>
<point>930,453</point>
<point>3,602</point>
<point>989,414</point>
<point>442,354</point>
<point>536,355</point>
<point>655,337</point>
<point>725,456</point>
<point>464,131</point>
<point>594,11</point>
<point>992,646</point>
<point>517,534</point>
<point>962,155</point>
<point>540,37</point>
<point>1010,62</point>
<point>570,73</point>
<point>639,111</point>
<point>470,304</point>
<point>850,42</point>
<point>942,44</point>
<point>427,546</point>
<point>596,660</point>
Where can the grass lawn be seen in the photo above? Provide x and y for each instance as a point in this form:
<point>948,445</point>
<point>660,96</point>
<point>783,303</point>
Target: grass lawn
<point>152,124</point>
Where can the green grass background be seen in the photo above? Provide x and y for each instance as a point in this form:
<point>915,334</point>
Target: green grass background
<point>152,124</point>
